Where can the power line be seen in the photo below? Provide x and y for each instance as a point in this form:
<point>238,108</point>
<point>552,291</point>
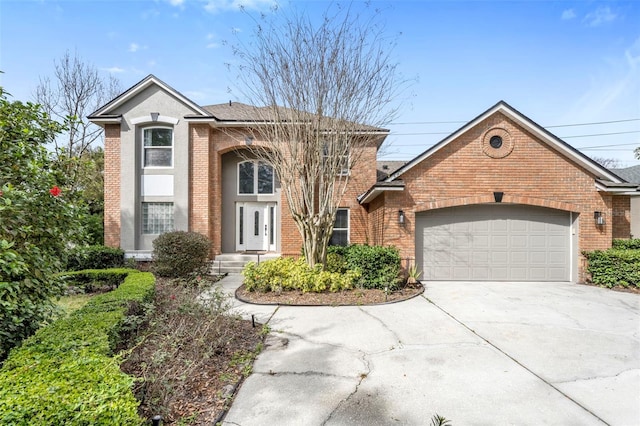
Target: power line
<point>600,134</point>
<point>561,137</point>
<point>593,123</point>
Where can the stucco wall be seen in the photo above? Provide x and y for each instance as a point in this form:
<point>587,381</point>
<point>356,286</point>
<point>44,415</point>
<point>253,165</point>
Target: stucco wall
<point>138,110</point>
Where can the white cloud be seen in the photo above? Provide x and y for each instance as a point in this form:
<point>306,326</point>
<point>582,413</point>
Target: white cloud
<point>600,16</point>
<point>114,70</point>
<point>134,47</point>
<point>176,2</point>
<point>568,14</point>
<point>215,6</point>
<point>614,86</point>
<point>211,43</point>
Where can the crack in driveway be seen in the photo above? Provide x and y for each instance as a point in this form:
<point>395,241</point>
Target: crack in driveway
<point>363,376</point>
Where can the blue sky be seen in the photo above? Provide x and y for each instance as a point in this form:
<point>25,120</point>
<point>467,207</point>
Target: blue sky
<point>557,62</point>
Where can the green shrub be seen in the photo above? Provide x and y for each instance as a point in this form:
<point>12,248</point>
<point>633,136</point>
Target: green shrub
<point>40,216</point>
<point>95,257</point>
<point>179,254</point>
<point>630,244</point>
<point>286,273</point>
<point>66,374</point>
<point>379,266</point>
<point>614,267</point>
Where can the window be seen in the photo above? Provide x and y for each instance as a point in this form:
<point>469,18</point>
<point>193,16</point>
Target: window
<point>255,178</point>
<point>340,236</point>
<point>157,218</point>
<point>344,161</point>
<point>158,147</point>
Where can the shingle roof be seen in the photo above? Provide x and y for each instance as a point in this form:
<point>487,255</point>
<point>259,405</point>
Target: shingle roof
<point>385,168</point>
<point>630,174</point>
<point>237,111</point>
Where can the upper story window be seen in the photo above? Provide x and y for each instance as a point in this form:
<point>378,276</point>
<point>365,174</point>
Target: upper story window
<point>255,177</point>
<point>344,161</point>
<point>158,147</point>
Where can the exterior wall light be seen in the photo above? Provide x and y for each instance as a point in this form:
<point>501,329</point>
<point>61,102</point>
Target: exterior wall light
<point>154,116</point>
<point>248,140</point>
<point>401,217</point>
<point>497,196</point>
<point>599,218</point>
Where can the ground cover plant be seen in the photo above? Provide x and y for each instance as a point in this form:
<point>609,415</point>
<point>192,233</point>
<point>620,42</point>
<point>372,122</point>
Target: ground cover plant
<point>354,275</point>
<point>616,267</point>
<point>193,355</point>
<point>69,373</point>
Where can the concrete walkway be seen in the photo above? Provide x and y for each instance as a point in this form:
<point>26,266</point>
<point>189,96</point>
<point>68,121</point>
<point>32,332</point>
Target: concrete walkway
<point>475,353</point>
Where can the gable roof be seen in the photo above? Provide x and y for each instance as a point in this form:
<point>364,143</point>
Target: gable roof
<point>543,134</point>
<point>630,174</point>
<point>104,111</point>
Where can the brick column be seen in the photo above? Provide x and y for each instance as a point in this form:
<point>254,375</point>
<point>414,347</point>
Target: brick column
<point>112,166</point>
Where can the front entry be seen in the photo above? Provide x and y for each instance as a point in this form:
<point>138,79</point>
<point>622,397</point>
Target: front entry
<point>256,227</point>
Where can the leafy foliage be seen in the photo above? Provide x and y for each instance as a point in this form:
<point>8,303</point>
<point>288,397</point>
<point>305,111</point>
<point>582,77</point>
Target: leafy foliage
<point>630,244</point>
<point>38,219</point>
<point>614,267</point>
<point>286,273</point>
<point>66,374</point>
<point>379,266</point>
<point>179,254</point>
<point>94,257</point>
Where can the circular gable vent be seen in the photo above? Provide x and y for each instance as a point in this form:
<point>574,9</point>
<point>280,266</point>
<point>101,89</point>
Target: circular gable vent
<point>497,143</point>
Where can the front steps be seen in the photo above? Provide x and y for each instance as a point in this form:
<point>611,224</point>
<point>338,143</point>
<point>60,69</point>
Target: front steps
<point>233,263</point>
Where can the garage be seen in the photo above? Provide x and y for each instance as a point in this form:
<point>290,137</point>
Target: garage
<point>494,242</point>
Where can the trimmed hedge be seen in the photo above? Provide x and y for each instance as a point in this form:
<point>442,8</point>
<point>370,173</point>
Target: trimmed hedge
<point>95,257</point>
<point>66,373</point>
<point>286,273</point>
<point>179,254</point>
<point>379,266</point>
<point>614,267</point>
<point>630,244</point>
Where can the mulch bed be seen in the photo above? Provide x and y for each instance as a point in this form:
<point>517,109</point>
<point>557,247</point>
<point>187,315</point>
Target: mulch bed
<point>357,297</point>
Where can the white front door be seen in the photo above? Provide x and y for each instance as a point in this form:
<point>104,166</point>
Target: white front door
<point>255,226</point>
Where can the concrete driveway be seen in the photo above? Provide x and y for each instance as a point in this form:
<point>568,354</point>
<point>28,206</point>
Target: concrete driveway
<point>475,353</point>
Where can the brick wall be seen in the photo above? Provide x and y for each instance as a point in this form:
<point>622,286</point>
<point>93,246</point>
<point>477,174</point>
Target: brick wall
<point>112,185</point>
<point>199,179</point>
<point>526,170</point>
<point>621,216</point>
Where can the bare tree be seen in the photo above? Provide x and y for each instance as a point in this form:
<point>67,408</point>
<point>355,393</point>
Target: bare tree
<point>609,163</point>
<point>637,153</point>
<point>326,90</point>
<point>76,90</point>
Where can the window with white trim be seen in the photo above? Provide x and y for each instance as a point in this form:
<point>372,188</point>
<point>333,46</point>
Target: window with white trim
<point>340,235</point>
<point>157,147</point>
<point>255,177</point>
<point>157,218</point>
<point>344,160</point>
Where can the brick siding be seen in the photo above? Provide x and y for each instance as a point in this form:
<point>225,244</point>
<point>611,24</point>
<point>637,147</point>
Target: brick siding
<point>461,173</point>
<point>112,185</point>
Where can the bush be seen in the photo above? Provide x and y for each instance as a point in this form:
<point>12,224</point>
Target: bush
<point>630,244</point>
<point>95,257</point>
<point>379,266</point>
<point>179,254</point>
<point>614,267</point>
<point>39,219</point>
<point>66,374</point>
<point>286,273</point>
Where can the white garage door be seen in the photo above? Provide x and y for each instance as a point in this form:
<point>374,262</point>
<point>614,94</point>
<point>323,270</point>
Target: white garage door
<point>494,242</point>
